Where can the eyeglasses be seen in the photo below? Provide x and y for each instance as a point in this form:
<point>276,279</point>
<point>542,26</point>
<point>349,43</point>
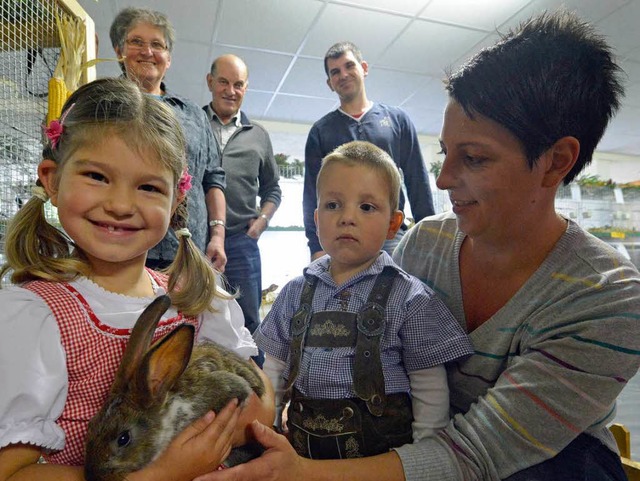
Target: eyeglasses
<point>139,44</point>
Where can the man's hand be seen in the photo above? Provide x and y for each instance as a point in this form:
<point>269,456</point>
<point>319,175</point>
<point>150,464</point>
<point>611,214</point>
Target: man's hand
<point>215,252</point>
<point>256,227</point>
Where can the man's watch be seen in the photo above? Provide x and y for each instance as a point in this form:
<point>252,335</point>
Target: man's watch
<point>265,217</point>
<point>215,222</point>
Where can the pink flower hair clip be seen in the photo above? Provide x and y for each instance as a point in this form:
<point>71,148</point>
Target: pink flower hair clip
<point>185,183</point>
<point>55,129</point>
<point>53,132</point>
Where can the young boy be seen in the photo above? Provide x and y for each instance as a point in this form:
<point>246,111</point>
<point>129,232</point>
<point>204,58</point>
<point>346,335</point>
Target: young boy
<point>360,343</point>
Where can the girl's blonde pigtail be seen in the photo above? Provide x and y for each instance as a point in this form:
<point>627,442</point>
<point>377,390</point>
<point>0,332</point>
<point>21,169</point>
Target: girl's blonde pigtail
<point>192,279</point>
<point>34,249</point>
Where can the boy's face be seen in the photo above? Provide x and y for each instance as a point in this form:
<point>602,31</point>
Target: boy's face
<point>353,217</point>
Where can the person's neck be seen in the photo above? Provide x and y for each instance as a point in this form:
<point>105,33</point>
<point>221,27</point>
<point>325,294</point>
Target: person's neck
<point>342,273</point>
<point>152,87</point>
<point>156,90</point>
<point>357,106</point>
<point>522,248</point>
<point>129,279</point>
<point>223,120</point>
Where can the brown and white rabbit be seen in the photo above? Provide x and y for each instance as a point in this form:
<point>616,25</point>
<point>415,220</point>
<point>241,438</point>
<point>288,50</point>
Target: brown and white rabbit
<point>160,389</point>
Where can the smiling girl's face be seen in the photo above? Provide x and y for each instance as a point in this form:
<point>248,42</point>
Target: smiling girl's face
<point>114,202</point>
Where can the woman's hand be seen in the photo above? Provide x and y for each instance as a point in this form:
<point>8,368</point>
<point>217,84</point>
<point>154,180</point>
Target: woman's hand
<point>279,461</point>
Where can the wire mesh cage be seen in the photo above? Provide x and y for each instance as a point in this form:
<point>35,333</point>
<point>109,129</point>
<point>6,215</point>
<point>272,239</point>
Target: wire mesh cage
<point>29,52</point>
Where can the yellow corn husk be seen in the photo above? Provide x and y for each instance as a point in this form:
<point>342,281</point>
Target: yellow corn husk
<point>71,32</point>
<point>66,76</point>
<point>58,95</point>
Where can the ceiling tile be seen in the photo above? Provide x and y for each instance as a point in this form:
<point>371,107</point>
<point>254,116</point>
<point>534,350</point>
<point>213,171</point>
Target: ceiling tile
<point>307,77</point>
<point>634,55</point>
<point>428,48</point>
<point>631,67</point>
<point>590,10</point>
<point>255,103</point>
<point>276,25</point>
<point>288,108</point>
<point>192,20</point>
<point>265,69</point>
<point>622,28</point>
<point>431,95</point>
<point>426,106</point>
<point>189,63</point>
<point>371,31</point>
<point>405,7</point>
<point>466,12</point>
<point>632,98</point>
<point>391,87</point>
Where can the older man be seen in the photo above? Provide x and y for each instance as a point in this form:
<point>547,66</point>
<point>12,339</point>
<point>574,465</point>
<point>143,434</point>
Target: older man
<point>251,169</point>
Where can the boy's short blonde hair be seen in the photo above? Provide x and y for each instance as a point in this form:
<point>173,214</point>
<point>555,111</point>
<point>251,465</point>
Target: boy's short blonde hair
<point>369,155</point>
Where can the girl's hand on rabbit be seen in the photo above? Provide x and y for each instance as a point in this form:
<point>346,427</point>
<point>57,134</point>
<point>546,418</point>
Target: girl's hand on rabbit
<point>200,448</point>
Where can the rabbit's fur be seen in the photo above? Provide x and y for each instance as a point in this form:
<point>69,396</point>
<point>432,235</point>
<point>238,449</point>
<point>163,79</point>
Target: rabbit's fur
<point>158,391</point>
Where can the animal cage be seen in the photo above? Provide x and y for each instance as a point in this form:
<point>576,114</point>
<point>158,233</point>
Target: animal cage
<point>30,49</point>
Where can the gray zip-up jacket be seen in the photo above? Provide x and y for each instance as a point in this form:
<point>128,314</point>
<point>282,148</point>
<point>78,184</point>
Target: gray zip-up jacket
<point>251,172</point>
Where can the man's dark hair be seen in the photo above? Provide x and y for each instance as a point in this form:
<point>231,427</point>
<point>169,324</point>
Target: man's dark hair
<point>339,49</point>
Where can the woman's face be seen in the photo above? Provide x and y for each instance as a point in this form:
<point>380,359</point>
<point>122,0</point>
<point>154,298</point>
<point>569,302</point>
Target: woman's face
<point>491,187</point>
<point>146,58</point>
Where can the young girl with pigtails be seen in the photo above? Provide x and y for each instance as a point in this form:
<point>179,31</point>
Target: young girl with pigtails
<point>114,166</point>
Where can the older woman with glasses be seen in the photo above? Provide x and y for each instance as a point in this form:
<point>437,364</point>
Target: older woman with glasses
<point>143,40</point>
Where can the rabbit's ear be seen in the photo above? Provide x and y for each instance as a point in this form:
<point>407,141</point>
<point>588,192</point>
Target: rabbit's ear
<point>163,365</point>
<point>139,342</point>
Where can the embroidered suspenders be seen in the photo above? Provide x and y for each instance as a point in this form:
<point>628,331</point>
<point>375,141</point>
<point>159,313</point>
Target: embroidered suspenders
<point>344,329</point>
<point>368,424</point>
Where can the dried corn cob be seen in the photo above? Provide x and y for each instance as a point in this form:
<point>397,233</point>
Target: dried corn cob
<point>66,76</point>
<point>58,95</point>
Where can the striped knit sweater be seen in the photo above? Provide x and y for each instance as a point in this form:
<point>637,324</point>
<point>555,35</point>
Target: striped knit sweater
<point>547,366</point>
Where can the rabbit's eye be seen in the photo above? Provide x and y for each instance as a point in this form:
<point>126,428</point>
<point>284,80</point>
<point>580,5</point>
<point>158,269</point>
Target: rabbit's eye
<point>123,439</point>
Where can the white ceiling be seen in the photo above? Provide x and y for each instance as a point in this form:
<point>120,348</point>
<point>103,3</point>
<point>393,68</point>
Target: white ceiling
<point>408,44</point>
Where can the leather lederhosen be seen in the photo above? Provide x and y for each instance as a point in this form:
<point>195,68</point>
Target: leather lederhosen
<point>371,423</point>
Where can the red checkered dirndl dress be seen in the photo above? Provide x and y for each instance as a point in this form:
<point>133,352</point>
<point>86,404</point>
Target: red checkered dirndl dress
<point>93,352</point>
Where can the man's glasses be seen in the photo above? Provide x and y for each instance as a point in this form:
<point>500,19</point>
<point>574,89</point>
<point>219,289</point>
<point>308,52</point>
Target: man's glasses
<point>139,44</point>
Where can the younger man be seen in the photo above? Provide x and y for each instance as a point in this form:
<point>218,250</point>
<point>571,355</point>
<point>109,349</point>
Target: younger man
<point>361,343</point>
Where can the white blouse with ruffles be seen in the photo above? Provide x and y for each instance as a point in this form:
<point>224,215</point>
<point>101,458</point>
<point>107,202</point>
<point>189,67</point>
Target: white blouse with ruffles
<point>33,372</point>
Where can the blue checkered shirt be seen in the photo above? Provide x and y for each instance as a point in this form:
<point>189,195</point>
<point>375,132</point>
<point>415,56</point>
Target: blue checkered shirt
<point>420,332</point>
